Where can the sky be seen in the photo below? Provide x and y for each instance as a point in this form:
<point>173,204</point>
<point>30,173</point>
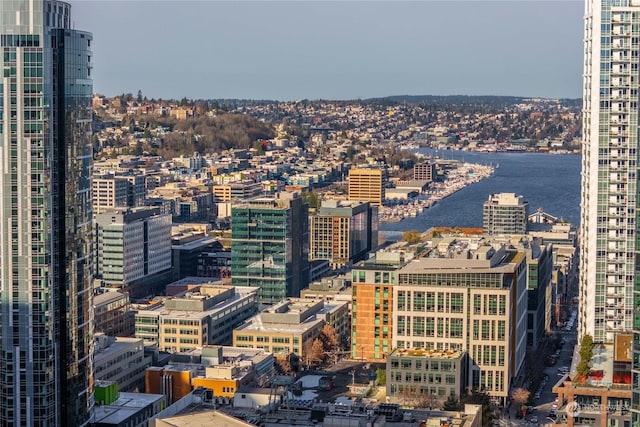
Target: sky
<point>290,50</point>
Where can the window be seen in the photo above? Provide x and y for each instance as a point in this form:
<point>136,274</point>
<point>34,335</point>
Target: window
<point>455,330</point>
<point>402,300</point>
<point>485,330</point>
<point>418,326</point>
<point>431,301</point>
<point>501,330</point>
<point>418,301</point>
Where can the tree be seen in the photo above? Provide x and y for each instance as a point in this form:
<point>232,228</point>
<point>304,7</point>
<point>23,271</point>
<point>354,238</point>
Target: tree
<point>258,146</point>
<point>139,97</point>
<point>329,338</point>
<point>283,365</point>
<point>316,352</point>
<point>381,376</point>
<point>451,404</point>
<point>312,199</point>
<point>586,353</point>
<point>583,368</point>
<point>411,236</point>
<point>586,348</point>
<point>520,396</point>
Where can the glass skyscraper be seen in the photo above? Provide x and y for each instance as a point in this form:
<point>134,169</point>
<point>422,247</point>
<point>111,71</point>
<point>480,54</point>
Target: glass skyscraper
<point>609,262</point>
<point>46,324</point>
<point>609,169</point>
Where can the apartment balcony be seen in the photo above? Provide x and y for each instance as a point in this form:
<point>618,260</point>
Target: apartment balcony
<point>619,97</point>
<point>620,42</point>
<point>620,71</point>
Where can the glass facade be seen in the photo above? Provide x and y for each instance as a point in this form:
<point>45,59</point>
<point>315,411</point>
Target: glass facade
<point>270,247</point>
<point>608,289</point>
<point>45,208</point>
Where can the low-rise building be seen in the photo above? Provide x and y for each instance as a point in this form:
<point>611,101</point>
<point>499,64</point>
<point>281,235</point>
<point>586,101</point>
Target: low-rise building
<point>128,410</point>
<point>329,289</point>
<point>205,316</point>
<point>427,375</point>
<point>112,314</point>
<point>284,329</point>
<point>227,369</point>
<point>122,360</point>
<point>223,370</point>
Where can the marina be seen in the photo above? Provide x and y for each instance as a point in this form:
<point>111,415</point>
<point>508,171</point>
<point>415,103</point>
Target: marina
<point>459,176</point>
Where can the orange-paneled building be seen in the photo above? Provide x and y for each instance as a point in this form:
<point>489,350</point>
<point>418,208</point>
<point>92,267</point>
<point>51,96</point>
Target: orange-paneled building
<point>372,306</point>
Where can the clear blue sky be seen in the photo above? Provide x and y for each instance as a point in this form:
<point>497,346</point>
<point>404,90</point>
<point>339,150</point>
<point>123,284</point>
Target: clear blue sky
<point>334,50</point>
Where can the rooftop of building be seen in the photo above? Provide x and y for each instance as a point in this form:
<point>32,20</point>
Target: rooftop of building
<point>127,405</point>
<point>427,354</point>
<point>452,255</point>
<point>106,347</point>
<point>279,200</point>
<point>610,365</point>
<point>199,242</point>
<point>197,416</point>
<point>260,323</point>
<point>506,199</point>
<point>203,293</point>
<point>108,297</point>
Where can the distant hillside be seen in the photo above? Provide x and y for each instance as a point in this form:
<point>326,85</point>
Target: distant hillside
<point>495,101</point>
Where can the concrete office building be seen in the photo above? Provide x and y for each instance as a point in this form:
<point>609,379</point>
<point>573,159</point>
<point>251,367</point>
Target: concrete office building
<point>203,316</point>
<point>430,376</point>
<point>113,315</point>
<point>424,171</point>
<point>132,244</point>
<point>367,185</point>
<point>284,329</point>
<point>466,296</point>
<point>539,291</point>
<point>270,245</point>
<point>110,191</point>
<point>237,190</point>
<point>343,232</point>
<point>121,360</point>
<point>46,363</point>
<point>505,213</point>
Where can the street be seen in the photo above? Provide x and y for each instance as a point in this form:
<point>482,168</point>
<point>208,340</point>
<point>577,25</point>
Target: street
<point>546,402</point>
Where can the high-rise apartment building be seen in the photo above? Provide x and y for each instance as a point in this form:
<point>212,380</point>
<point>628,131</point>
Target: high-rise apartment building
<point>609,169</point>
<point>46,360</point>
<point>505,213</point>
<point>270,245</point>
<point>609,288</point>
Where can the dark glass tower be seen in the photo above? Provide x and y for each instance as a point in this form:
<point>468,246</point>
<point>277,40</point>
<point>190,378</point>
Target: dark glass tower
<point>46,329</point>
